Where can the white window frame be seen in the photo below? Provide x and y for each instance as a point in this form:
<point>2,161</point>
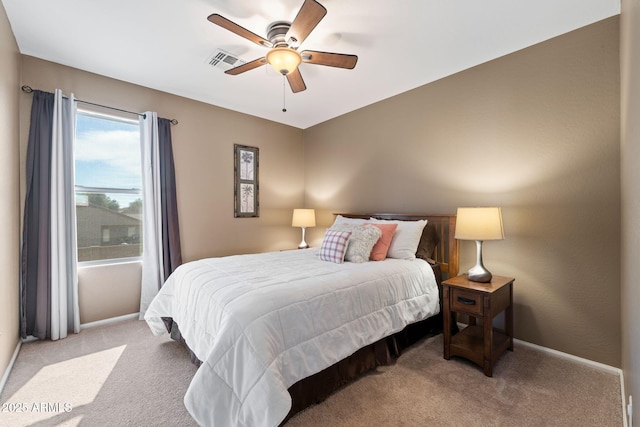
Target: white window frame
<point>105,190</point>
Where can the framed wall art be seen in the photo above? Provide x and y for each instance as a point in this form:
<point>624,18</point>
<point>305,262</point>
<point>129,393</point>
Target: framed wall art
<point>246,190</point>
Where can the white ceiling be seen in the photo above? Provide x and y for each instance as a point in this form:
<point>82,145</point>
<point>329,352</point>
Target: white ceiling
<point>401,44</point>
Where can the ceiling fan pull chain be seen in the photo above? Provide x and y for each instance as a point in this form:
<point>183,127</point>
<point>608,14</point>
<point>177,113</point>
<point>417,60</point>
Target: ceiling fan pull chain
<point>284,92</point>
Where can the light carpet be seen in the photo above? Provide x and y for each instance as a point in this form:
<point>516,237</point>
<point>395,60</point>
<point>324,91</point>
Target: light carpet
<point>121,375</point>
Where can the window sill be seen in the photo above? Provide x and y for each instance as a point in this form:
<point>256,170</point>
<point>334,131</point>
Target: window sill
<point>102,262</point>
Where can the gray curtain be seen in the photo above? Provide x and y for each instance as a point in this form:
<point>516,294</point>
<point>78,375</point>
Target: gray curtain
<point>36,245</point>
<point>161,237</point>
<point>49,283</point>
<point>171,251</point>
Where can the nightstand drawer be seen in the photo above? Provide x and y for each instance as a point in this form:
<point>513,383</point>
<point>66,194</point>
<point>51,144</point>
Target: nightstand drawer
<point>466,302</point>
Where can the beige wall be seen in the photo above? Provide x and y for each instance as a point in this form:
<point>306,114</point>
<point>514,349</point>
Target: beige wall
<point>536,132</point>
<point>100,300</point>
<point>9,199</point>
<point>630,102</point>
<point>203,151</point>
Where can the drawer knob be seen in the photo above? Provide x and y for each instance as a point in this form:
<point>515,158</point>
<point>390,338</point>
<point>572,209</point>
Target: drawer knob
<point>467,301</point>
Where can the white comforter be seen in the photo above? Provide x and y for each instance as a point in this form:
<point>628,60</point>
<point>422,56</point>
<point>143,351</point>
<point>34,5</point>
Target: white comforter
<point>262,322</point>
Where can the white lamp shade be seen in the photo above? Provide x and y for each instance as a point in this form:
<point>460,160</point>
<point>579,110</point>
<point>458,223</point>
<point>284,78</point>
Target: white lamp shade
<point>303,218</point>
<point>479,224</point>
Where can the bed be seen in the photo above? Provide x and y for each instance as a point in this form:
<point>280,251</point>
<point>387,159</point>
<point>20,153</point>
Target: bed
<point>278,331</point>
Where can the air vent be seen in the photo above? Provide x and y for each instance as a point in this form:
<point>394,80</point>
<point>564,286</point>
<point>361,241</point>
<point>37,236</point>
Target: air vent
<point>223,60</point>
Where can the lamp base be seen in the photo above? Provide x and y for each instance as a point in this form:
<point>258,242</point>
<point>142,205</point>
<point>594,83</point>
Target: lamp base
<point>303,244</point>
<point>478,273</point>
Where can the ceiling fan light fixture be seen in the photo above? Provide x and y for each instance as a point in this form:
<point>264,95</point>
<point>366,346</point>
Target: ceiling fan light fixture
<point>283,59</point>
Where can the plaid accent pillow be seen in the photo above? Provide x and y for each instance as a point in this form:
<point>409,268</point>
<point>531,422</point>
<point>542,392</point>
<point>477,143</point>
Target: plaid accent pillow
<point>334,246</point>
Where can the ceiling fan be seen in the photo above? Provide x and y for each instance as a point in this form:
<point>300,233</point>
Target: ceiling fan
<point>283,40</point>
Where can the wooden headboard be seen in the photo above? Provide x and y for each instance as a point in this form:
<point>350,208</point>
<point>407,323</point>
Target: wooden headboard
<point>447,252</point>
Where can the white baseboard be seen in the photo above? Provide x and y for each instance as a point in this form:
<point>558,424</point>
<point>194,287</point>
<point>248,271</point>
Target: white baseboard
<point>109,321</point>
<point>583,361</point>
<point>7,371</point>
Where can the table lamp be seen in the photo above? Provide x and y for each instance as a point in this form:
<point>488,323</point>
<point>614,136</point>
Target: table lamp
<point>479,224</point>
<point>303,218</point>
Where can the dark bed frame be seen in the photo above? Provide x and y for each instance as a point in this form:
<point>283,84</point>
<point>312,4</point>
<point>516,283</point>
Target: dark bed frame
<point>317,387</point>
<point>446,252</point>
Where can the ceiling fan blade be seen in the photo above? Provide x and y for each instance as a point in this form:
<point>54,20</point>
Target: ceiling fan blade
<point>339,60</point>
<point>295,81</point>
<point>305,21</point>
<point>246,67</point>
<point>237,29</point>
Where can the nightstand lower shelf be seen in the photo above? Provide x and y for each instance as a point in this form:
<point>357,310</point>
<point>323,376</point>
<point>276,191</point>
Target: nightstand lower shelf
<point>469,343</point>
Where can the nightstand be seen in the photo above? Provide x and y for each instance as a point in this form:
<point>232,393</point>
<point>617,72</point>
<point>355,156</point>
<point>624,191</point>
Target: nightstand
<point>482,344</point>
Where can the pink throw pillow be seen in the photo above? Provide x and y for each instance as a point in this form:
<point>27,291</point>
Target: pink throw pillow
<point>380,249</point>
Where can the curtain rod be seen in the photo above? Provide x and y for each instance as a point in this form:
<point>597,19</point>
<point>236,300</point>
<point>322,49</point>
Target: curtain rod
<point>28,89</point>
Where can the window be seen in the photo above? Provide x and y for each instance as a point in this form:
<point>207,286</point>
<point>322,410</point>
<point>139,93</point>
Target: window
<point>108,187</point>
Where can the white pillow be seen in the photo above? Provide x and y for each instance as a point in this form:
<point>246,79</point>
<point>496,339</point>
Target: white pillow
<point>406,238</point>
<point>344,220</point>
<point>362,240</point>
